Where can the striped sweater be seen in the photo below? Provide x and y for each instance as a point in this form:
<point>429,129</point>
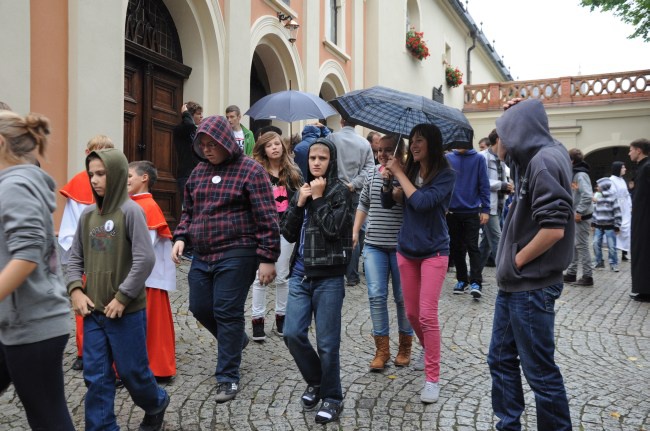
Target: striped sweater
<point>383,224</point>
<point>607,212</point>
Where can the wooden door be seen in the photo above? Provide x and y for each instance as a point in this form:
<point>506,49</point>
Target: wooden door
<point>153,97</point>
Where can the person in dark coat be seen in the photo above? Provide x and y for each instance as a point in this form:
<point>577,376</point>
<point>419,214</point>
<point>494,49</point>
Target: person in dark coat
<point>640,234</point>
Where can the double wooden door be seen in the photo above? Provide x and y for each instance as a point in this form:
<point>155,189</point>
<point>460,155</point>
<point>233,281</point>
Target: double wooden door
<point>153,97</point>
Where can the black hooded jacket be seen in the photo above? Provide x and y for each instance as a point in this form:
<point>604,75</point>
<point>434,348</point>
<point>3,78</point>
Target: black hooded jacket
<point>328,234</point>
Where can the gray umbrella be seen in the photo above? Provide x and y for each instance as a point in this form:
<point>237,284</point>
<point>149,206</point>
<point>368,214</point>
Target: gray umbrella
<point>391,111</point>
<point>290,105</point>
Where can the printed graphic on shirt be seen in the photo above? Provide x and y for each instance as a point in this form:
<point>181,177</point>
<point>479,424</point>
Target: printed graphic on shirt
<point>101,239</point>
<point>281,198</point>
<point>239,138</point>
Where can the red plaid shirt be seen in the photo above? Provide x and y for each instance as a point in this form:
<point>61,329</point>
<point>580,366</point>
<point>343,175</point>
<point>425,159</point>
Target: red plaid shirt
<point>229,207</point>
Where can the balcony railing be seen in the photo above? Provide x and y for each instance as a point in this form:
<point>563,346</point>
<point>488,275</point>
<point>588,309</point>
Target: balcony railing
<point>566,91</point>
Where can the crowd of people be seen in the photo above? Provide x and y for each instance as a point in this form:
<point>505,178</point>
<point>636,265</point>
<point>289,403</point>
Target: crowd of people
<point>298,213</point>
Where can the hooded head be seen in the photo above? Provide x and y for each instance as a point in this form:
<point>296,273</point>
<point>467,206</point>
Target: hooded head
<point>605,186</point>
<point>116,172</point>
<point>617,167</point>
<point>523,130</point>
<point>331,174</point>
<point>216,134</point>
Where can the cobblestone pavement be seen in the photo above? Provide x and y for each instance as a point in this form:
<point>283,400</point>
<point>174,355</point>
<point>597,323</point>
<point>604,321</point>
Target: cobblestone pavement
<point>603,350</point>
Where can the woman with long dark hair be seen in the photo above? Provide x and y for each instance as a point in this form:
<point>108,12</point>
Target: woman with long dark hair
<point>426,184</point>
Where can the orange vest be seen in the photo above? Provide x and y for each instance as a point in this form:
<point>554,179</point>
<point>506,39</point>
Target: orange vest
<point>153,213</point>
<point>79,190</point>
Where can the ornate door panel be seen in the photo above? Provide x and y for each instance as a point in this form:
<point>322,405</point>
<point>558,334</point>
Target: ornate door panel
<point>153,95</point>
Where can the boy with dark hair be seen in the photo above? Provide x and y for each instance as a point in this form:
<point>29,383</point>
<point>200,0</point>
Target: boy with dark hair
<point>244,137</point>
<point>184,132</point>
<point>230,217</point>
<point>113,248</point>
<point>319,220</point>
<point>161,340</point>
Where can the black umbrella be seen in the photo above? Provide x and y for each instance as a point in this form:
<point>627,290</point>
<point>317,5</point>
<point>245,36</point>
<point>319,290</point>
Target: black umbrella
<point>391,111</point>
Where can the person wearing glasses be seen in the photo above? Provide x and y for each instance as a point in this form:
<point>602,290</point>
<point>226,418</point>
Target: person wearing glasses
<point>231,221</point>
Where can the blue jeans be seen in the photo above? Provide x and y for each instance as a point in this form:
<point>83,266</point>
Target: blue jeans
<point>380,264</point>
<point>610,237</point>
<point>322,297</point>
<point>522,334</point>
<point>123,341</point>
<point>218,292</point>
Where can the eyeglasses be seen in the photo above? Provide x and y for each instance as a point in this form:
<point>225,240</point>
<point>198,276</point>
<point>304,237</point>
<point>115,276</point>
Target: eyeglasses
<point>210,145</point>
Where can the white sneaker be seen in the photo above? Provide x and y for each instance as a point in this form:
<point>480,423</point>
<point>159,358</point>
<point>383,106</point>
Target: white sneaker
<point>430,392</point>
<point>418,362</point>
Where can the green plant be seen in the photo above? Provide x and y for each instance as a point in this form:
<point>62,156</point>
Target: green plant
<point>453,76</point>
<point>416,44</point>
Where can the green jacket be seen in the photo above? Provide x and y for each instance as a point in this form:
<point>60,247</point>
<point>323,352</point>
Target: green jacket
<point>249,141</point>
<point>112,245</point>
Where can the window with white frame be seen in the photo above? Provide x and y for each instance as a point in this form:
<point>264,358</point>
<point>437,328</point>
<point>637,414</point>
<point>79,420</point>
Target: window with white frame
<point>332,20</point>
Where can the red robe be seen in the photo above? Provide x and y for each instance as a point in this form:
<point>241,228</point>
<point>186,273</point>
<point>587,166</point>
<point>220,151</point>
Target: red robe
<point>161,339</point>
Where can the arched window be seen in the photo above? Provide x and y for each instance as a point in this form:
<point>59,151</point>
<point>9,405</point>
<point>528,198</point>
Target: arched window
<point>333,21</point>
<point>412,15</point>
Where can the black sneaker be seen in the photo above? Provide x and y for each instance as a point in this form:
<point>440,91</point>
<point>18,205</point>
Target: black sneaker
<point>329,412</point>
<point>569,278</point>
<point>600,265</point>
<point>154,422</point>
<point>279,324</point>
<point>310,398</point>
<point>78,364</point>
<point>461,287</point>
<point>475,290</point>
<point>258,329</point>
<point>227,391</point>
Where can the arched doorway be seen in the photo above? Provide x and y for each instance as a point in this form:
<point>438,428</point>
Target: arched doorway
<point>259,87</point>
<point>153,95</point>
<point>600,162</point>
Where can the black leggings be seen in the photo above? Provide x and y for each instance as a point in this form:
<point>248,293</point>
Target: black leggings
<point>36,370</point>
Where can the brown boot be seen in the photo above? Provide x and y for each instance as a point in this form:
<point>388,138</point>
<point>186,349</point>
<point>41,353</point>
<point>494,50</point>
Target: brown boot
<point>382,355</point>
<point>403,358</point>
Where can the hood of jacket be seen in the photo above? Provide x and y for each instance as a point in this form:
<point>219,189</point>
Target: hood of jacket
<point>41,183</point>
<point>218,128</point>
<point>605,185</point>
<point>332,173</point>
<point>581,167</point>
<point>117,175</point>
<point>524,130</point>
<point>469,152</point>
<point>310,132</point>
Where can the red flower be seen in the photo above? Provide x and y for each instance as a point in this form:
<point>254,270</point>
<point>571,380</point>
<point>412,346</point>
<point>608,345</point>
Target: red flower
<point>416,44</point>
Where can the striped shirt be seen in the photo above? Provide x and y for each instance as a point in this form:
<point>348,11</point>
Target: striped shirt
<point>383,224</point>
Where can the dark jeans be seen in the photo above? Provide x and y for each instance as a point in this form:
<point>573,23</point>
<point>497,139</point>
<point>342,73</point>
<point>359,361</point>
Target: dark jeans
<point>322,297</point>
<point>463,239</point>
<point>522,334</point>
<point>218,292</point>
<point>121,341</point>
<point>36,370</point>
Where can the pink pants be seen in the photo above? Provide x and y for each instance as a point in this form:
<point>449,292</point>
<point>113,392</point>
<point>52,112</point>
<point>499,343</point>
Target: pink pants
<point>422,281</point>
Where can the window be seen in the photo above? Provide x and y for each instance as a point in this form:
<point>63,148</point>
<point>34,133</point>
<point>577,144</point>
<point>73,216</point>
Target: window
<point>332,20</point>
<point>287,2</point>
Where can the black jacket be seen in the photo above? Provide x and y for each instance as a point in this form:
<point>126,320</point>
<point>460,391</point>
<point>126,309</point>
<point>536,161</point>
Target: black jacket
<point>183,138</point>
<point>328,234</point>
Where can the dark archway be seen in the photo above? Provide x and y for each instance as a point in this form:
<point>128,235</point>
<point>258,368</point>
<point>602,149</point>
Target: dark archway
<point>601,161</point>
<point>259,87</point>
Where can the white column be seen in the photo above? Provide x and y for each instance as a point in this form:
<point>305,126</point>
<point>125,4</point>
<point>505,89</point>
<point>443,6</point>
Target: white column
<point>96,75</point>
<point>237,17</point>
<point>15,54</point>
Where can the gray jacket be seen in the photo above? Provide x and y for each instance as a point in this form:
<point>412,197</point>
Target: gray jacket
<point>355,159</point>
<point>542,172</point>
<point>39,309</point>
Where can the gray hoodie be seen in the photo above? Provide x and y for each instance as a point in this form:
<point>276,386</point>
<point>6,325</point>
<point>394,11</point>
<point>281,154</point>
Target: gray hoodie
<point>39,309</point>
<point>542,172</point>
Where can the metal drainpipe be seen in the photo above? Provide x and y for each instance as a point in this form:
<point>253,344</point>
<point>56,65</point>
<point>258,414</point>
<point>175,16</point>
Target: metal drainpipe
<point>469,61</point>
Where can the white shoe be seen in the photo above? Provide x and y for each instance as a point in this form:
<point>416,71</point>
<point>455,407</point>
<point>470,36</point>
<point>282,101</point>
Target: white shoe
<point>430,392</point>
<point>418,362</point>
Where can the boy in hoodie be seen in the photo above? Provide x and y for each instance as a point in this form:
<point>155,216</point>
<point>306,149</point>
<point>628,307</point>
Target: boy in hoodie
<point>583,208</point>
<point>112,247</point>
<point>468,211</point>
<point>319,220</point>
<point>310,133</point>
<point>536,246</point>
<point>231,220</point>
<point>606,221</point>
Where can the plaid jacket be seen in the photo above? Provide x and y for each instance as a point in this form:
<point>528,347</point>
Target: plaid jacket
<point>229,208</point>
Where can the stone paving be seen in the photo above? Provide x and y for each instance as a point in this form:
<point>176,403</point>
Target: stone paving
<point>603,350</point>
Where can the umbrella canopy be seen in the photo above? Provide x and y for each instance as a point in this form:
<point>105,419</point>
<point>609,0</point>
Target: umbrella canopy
<point>290,105</point>
<point>391,111</point>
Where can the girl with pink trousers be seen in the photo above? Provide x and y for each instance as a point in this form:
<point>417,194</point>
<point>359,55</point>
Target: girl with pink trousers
<point>425,187</point>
